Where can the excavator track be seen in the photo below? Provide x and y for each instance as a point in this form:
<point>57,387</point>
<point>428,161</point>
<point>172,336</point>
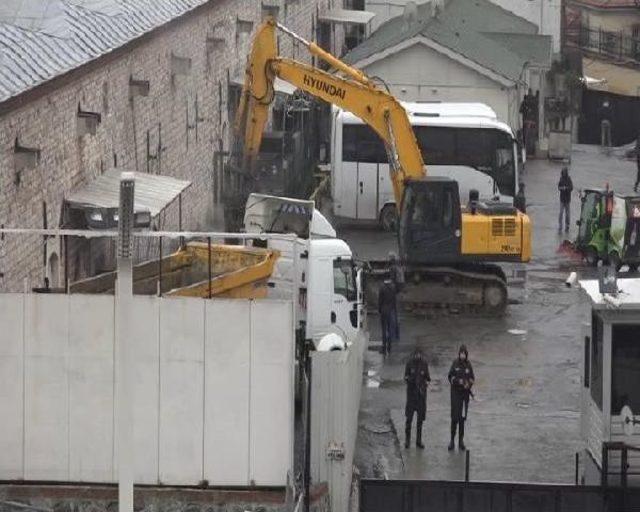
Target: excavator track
<point>465,288</point>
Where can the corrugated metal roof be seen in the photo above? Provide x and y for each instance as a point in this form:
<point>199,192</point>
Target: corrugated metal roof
<point>346,16</point>
<point>152,192</point>
<point>468,28</point>
<point>41,39</point>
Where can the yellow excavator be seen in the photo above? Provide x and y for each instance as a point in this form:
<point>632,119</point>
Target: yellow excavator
<point>446,249</point>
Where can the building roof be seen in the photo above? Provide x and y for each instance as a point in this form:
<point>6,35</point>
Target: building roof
<point>479,30</point>
<point>41,39</point>
<point>627,298</point>
<point>153,192</point>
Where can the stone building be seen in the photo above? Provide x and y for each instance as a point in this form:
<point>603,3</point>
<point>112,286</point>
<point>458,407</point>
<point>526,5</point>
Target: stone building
<point>88,86</point>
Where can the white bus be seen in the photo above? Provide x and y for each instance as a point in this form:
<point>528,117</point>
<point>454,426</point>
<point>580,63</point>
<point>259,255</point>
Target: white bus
<point>463,141</point>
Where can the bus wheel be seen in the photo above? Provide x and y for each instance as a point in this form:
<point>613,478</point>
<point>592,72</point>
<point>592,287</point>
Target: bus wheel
<point>389,218</point>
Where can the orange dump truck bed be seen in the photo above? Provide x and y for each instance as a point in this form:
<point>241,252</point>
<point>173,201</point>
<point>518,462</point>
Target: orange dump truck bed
<point>236,271</point>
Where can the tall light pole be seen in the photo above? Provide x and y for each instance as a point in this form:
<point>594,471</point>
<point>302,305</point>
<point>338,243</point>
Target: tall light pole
<point>124,363</point>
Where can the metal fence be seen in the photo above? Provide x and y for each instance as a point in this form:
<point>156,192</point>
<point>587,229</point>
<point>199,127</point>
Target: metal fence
<point>439,496</point>
<point>335,399</point>
<point>611,44</point>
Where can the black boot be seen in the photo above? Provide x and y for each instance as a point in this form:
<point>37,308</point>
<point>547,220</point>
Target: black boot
<point>453,435</point>
<point>461,445</point>
<point>407,434</point>
<point>419,436</point>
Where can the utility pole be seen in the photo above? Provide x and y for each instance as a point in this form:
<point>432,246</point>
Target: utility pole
<point>124,300</point>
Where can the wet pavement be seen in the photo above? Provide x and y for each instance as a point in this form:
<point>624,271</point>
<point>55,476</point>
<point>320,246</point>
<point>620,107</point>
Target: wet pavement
<point>524,422</point>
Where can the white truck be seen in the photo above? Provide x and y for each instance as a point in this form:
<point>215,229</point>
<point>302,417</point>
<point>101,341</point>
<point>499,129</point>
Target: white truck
<point>319,265</point>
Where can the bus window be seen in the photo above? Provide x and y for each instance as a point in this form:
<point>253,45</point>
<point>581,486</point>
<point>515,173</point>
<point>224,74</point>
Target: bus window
<point>438,145</point>
<point>361,144</point>
<point>489,151</point>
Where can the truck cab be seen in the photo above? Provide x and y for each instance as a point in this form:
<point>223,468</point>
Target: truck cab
<point>321,266</point>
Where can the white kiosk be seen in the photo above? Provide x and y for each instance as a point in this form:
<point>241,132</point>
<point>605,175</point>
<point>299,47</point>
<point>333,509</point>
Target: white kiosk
<point>610,411</point>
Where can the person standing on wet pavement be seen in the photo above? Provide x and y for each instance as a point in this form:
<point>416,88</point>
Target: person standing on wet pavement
<point>565,186</point>
<point>416,376</point>
<point>461,378</point>
<point>388,314</point>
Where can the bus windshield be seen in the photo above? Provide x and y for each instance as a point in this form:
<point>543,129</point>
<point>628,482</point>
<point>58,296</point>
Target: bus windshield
<point>487,150</point>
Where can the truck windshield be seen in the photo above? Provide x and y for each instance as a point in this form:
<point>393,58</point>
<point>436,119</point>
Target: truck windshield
<point>344,279</point>
<point>487,150</point>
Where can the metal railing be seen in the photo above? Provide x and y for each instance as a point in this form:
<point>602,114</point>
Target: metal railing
<point>623,472</point>
<point>617,45</point>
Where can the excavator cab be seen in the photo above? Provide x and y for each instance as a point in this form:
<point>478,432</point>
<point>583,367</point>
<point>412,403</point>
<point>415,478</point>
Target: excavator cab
<point>430,221</point>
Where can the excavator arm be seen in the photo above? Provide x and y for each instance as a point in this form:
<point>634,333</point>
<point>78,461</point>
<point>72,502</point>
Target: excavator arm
<point>354,92</point>
<point>449,255</point>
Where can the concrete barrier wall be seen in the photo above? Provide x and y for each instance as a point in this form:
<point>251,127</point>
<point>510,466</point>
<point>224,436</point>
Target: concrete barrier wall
<point>208,377</point>
<point>336,384</point>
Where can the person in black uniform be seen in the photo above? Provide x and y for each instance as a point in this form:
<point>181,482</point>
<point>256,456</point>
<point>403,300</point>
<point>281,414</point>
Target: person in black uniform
<point>461,378</point>
<point>388,310</point>
<point>416,375</point>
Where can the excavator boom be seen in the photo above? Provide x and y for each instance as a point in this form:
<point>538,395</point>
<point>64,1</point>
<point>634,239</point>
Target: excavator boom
<point>356,93</point>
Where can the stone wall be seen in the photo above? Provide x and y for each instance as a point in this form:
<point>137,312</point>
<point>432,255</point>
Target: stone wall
<point>158,134</point>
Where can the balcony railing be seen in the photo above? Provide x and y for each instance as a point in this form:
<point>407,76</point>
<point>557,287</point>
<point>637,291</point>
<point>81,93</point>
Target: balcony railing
<point>613,45</point>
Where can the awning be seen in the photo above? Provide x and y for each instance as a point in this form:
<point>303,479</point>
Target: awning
<point>602,76</point>
<point>346,16</point>
<point>153,193</point>
<point>278,84</point>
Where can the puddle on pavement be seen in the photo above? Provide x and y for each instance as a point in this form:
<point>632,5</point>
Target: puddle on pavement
<point>435,385</point>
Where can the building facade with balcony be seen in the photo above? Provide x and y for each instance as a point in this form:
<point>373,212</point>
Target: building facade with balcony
<point>603,38</point>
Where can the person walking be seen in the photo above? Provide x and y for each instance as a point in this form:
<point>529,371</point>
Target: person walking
<point>461,378</point>
<point>565,186</point>
<point>388,314</point>
<point>397,273</point>
<point>416,376</point>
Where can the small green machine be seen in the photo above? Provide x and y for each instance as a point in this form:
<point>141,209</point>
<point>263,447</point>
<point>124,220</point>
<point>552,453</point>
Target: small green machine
<point>624,232</point>
<point>594,224</point>
<point>609,229</point>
